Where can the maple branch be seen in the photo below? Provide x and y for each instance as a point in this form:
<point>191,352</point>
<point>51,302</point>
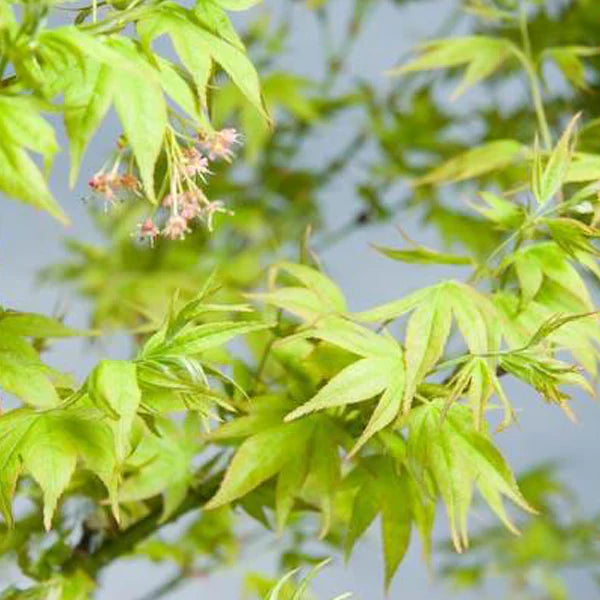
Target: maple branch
<point>127,539</point>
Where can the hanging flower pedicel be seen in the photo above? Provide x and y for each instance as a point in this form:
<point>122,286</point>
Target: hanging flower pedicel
<point>217,206</point>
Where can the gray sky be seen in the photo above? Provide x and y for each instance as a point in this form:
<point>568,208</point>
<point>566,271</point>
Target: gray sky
<point>29,241</point>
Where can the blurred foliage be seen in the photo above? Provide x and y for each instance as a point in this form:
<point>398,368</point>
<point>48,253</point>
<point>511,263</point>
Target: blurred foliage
<point>534,564</point>
<point>316,422</point>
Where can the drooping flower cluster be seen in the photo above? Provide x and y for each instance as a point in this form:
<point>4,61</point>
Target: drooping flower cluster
<point>185,202</point>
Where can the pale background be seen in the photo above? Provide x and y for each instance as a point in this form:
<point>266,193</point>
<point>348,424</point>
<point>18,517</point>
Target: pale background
<point>29,241</point>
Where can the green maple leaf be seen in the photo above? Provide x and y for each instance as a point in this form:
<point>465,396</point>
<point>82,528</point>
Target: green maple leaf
<point>49,445</point>
<point>445,449</point>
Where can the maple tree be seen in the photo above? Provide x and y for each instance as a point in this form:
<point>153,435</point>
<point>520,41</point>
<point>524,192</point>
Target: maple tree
<point>253,387</point>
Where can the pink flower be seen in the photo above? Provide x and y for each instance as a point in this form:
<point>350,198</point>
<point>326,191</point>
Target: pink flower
<point>175,228</point>
<point>148,230</point>
<point>195,163</point>
<point>220,144</point>
<point>230,136</point>
<point>190,210</point>
<point>103,184</point>
<point>130,182</point>
<point>167,201</point>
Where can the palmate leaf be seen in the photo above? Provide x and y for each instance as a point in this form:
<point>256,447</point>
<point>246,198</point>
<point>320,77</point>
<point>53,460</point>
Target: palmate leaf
<point>213,17</point>
<point>181,336</point>
<point>136,87</point>
<point>444,448</point>
<point>583,167</point>
<point>481,55</point>
<point>99,74</point>
<point>88,96</point>
<point>162,463</point>
<point>555,172</point>
<point>96,70</point>
<point>22,373</point>
<point>22,128</point>
<point>546,320</point>
<point>286,589</point>
<point>89,70</point>
<point>505,214</point>
<point>361,381</point>
<point>175,363</point>
<point>546,262</point>
<point>546,375</point>
<point>475,162</point>
<point>142,109</point>
<point>568,60</point>
<point>48,445</point>
<point>113,387</point>
<point>381,487</point>
<point>201,338</point>
<point>34,325</point>
<point>381,370</point>
<point>110,401</point>
<point>429,326</point>
<point>303,455</point>
<point>427,332</point>
<point>261,457</point>
<point>422,255</point>
<point>198,46</point>
<point>317,297</point>
<point>269,445</point>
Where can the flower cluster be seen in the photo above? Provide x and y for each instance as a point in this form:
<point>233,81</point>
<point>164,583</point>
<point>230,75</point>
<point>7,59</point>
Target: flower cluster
<point>187,206</point>
<point>108,185</point>
<point>185,202</point>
